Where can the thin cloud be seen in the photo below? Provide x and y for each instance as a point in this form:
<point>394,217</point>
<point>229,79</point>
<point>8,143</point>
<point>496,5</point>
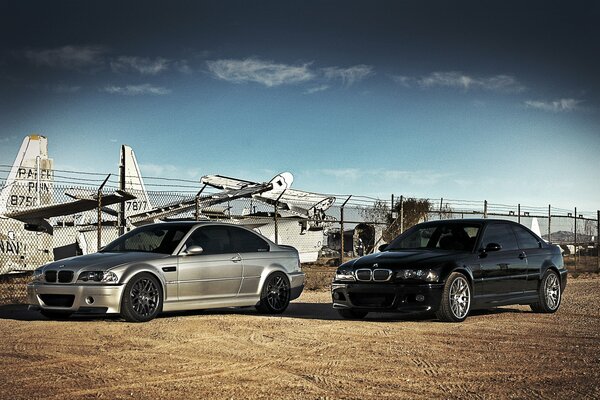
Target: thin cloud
<point>352,174</point>
<point>67,57</point>
<point>421,177</point>
<point>350,75</point>
<point>182,66</point>
<point>136,90</point>
<point>255,70</point>
<point>159,169</point>
<point>144,66</point>
<point>316,89</point>
<point>459,80</point>
<point>557,106</point>
<point>64,89</point>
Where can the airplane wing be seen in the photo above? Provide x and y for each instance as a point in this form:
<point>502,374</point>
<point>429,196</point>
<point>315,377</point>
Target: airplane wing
<point>300,203</point>
<point>296,202</point>
<point>35,214</point>
<point>202,202</point>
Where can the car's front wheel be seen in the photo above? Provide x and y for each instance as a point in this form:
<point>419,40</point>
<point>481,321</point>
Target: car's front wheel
<point>275,294</point>
<point>549,294</point>
<point>456,299</point>
<point>142,298</point>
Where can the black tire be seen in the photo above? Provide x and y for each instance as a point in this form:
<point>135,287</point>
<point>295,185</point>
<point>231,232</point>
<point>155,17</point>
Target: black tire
<point>142,298</point>
<point>349,313</point>
<point>57,315</point>
<point>549,293</point>
<point>275,294</point>
<point>456,299</point>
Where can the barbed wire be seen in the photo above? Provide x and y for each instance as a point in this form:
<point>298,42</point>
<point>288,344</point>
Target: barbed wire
<point>91,181</point>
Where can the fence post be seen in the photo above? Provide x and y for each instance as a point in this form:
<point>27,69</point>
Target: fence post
<point>549,221</point>
<point>401,214</point>
<point>198,202</point>
<point>122,178</point>
<point>485,209</point>
<point>441,206</point>
<point>276,206</point>
<point>519,213</point>
<point>575,246</point>
<point>99,195</point>
<point>342,230</point>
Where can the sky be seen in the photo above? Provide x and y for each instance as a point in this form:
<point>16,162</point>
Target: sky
<point>495,100</point>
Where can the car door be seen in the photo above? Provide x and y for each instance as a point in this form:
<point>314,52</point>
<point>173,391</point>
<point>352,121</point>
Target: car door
<point>504,270</point>
<point>255,257</point>
<point>216,272</point>
<point>535,255</point>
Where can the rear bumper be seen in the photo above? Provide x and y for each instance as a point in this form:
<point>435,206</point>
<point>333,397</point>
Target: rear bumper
<point>296,284</point>
<point>75,298</point>
<point>387,297</point>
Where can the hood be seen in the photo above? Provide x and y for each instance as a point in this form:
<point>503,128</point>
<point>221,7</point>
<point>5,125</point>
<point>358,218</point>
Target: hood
<point>407,259</point>
<point>102,261</point>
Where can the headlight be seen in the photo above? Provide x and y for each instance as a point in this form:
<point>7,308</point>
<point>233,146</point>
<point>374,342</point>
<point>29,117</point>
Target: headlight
<point>428,275</point>
<point>38,275</point>
<point>98,276</point>
<point>343,274</point>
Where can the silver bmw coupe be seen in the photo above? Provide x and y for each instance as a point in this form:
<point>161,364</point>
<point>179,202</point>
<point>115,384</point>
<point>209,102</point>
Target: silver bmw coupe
<point>171,266</point>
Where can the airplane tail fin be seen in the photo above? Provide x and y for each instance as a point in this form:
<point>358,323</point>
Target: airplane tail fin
<point>535,227</point>
<point>134,183</point>
<point>30,181</point>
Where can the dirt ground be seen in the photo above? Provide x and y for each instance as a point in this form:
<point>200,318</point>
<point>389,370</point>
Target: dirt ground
<point>307,353</point>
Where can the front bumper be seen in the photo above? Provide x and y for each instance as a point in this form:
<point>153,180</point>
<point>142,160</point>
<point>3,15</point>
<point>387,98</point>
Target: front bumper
<point>75,297</point>
<point>386,297</point>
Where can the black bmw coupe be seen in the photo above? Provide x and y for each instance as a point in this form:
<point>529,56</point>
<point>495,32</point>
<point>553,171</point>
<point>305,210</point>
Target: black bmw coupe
<point>452,267</point>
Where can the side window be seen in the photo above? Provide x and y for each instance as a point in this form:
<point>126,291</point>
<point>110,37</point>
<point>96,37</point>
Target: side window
<point>526,240</point>
<point>247,242</point>
<point>213,239</point>
<point>501,234</point>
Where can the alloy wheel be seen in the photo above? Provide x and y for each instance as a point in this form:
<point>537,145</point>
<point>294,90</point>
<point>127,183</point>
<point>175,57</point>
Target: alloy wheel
<point>144,297</point>
<point>278,292</point>
<point>460,297</point>
<point>552,291</point>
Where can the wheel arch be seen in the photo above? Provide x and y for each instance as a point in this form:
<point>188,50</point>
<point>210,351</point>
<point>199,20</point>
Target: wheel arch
<point>136,269</point>
<point>268,271</point>
<point>551,267</point>
<point>448,270</point>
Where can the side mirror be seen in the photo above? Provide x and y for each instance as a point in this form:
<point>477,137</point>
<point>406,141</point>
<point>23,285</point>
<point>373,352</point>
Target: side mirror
<point>383,247</point>
<point>194,250</point>
<point>492,247</point>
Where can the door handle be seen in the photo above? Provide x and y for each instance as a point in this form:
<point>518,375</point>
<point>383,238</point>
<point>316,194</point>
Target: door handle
<point>522,256</point>
<point>236,259</point>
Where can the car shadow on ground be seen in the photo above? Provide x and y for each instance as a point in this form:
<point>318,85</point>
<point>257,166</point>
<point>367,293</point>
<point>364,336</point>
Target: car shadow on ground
<point>300,310</point>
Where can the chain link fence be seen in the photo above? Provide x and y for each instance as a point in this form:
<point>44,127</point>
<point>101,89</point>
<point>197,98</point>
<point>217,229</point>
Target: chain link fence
<point>352,226</point>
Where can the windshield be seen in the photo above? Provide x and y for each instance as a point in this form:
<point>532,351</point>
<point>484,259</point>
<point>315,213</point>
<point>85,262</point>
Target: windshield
<point>151,239</point>
<point>443,236</point>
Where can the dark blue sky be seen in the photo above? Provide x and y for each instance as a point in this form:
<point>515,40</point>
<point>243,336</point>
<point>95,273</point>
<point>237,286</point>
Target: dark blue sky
<point>468,99</point>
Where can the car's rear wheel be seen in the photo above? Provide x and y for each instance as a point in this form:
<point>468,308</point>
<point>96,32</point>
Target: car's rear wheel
<point>349,313</point>
<point>59,315</point>
<point>456,299</point>
<point>549,294</point>
<point>275,294</point>
<point>142,298</point>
